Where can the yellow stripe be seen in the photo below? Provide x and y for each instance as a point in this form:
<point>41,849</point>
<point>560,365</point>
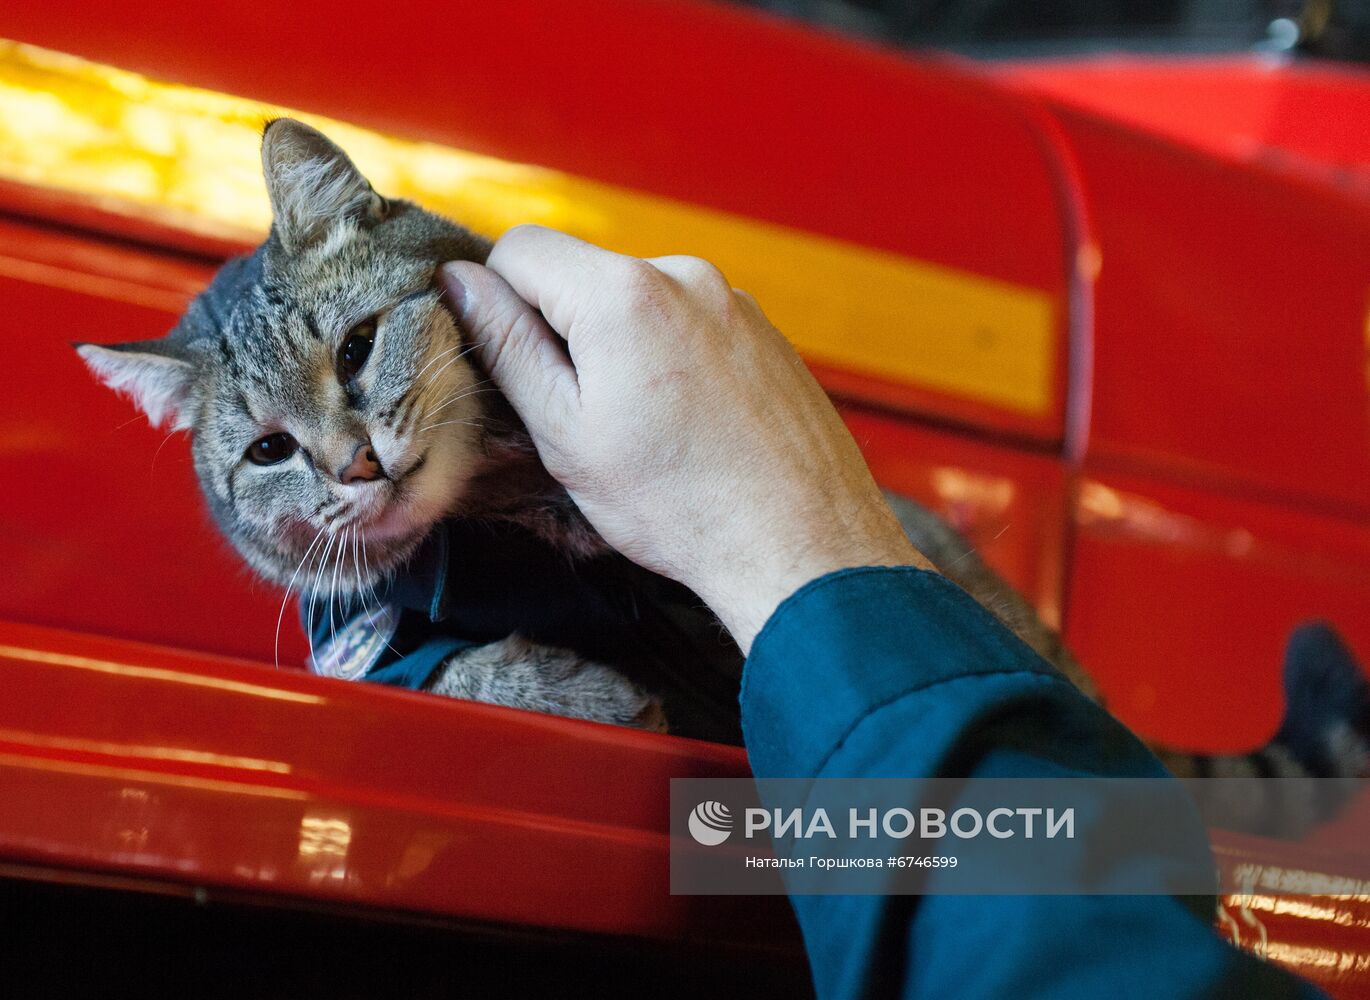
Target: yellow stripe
<point>190,157</point>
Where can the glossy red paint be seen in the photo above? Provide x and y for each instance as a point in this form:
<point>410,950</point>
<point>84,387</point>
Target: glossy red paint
<point>359,796</point>
<point>1319,936</point>
<point>1161,573</point>
<point>1230,314</point>
<point>1300,117</point>
<point>1229,419</point>
<point>225,773</point>
<point>844,140</point>
<point>1210,492</point>
<point>112,538</point>
<point>1010,503</point>
<point>477,77</point>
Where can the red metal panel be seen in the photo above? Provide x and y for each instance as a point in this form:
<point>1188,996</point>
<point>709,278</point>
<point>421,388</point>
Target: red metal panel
<point>1320,936</point>
<point>1181,602</point>
<point>225,773</point>
<point>1230,323</point>
<point>1228,463</point>
<point>109,533</point>
<point>699,102</point>
<point>1009,503</point>
<point>215,772</point>
<point>1298,116</point>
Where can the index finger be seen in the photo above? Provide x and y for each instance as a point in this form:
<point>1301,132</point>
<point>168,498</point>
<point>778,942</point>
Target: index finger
<point>551,271</point>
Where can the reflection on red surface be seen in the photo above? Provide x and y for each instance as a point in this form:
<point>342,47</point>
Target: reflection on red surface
<point>1008,503</point>
<point>1214,492</point>
<point>1181,603</point>
<point>222,773</point>
<point>1300,910</point>
<point>1230,311</point>
<point>168,765</point>
<point>110,534</point>
<point>1300,117</point>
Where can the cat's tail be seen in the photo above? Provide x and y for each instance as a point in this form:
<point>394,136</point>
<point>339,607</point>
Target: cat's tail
<point>1325,735</point>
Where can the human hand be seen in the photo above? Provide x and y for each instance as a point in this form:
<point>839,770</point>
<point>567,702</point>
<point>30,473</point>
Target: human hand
<point>681,422</point>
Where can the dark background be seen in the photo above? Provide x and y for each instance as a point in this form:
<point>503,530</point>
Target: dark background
<point>1337,29</point>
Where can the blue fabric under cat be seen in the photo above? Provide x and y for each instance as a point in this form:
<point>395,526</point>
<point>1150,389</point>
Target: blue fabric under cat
<point>475,582</point>
<point>389,635</point>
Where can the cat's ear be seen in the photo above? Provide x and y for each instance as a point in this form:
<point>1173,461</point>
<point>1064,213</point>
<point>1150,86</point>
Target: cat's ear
<point>313,185</point>
<point>149,373</point>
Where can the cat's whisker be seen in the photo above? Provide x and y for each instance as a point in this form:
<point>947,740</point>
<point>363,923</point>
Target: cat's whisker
<point>433,413</point>
<point>366,562</point>
<point>448,364</point>
<point>131,420</point>
<point>333,589</point>
<point>152,471</point>
<point>963,556</point>
<point>376,598</point>
<point>286,599</point>
<point>482,384</point>
<point>356,564</point>
<point>431,361</point>
<point>314,592</point>
<point>445,423</point>
<point>318,585</point>
<point>323,566</point>
<point>470,390</point>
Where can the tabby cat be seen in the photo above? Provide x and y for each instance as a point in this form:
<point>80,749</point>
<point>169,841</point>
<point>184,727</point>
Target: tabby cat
<point>338,422</point>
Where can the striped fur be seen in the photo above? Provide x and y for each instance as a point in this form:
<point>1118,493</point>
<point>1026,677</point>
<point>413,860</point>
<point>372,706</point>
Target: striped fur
<point>1326,728</point>
<point>257,351</point>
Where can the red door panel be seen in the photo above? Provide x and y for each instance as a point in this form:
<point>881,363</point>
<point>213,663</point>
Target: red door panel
<point>102,528</point>
<point>1230,323</point>
<point>1300,116</point>
<point>1007,502</point>
<point>703,103</point>
<point>198,768</point>
<point>1181,602</point>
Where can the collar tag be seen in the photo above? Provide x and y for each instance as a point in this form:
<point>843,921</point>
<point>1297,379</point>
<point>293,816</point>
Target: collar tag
<point>357,646</point>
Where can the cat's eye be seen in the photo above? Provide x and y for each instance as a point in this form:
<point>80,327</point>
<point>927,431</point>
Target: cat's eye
<point>272,449</point>
<point>356,348</point>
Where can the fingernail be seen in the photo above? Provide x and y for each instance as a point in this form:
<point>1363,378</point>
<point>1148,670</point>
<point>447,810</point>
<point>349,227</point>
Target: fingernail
<point>454,291</point>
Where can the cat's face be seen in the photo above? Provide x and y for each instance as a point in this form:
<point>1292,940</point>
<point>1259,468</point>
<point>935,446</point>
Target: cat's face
<point>338,407</point>
<point>335,413</point>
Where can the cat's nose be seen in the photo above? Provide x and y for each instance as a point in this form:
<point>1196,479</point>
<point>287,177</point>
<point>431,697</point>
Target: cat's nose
<point>363,468</point>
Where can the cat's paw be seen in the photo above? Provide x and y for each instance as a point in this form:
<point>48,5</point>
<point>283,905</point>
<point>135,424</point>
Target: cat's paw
<point>652,718</point>
<point>518,673</point>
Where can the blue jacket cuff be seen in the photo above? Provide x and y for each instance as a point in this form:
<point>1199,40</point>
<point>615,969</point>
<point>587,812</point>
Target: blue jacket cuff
<point>850,642</point>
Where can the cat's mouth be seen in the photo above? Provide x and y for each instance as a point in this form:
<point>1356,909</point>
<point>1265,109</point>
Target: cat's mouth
<point>393,516</point>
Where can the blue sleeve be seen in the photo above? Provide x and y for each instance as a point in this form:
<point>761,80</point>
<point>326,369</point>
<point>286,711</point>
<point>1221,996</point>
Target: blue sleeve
<point>896,672</point>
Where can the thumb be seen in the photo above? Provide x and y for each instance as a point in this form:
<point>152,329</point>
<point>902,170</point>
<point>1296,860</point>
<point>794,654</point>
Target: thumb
<point>524,357</point>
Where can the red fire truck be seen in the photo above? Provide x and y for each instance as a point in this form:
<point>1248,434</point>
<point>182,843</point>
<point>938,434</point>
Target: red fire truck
<point>1108,314</point>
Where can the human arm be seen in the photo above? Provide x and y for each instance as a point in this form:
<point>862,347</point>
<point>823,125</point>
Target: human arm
<point>694,440</point>
<point>895,672</point>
